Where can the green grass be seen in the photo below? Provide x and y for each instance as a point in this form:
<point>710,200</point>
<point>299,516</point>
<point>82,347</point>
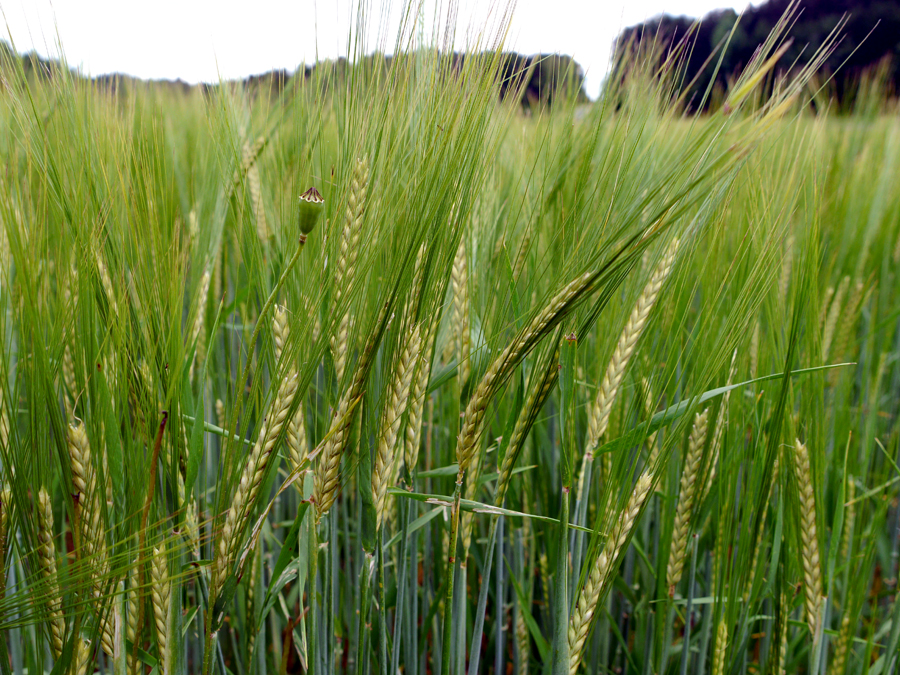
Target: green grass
<point>138,299</point>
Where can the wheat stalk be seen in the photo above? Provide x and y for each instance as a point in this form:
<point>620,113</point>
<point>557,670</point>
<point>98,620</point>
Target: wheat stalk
<point>596,582</point>
<point>47,563</point>
<point>689,484</point>
<point>809,540</point>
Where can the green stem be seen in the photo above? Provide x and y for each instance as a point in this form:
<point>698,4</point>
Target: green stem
<point>363,614</point>
<point>451,565</point>
<point>383,656</point>
<point>235,413</point>
<point>209,637</point>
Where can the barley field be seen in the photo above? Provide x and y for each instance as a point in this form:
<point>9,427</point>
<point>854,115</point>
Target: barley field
<point>383,375</point>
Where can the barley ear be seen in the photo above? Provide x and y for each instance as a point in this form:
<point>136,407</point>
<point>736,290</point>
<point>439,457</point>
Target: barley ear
<point>256,202</point>
<point>509,358</point>
<point>809,540</point>
<point>459,280</point>
<point>250,482</point>
<point>417,398</point>
<point>598,414</point>
<point>687,492</point>
<point>47,563</point>
<point>597,580</point>
<point>834,313</point>
<point>160,592</point>
<point>398,398</point>
<point>346,259</point>
<point>721,648</point>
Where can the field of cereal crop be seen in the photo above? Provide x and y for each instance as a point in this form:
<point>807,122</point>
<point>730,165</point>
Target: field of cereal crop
<point>595,390</point>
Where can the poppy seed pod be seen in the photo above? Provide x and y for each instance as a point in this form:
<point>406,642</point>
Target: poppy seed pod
<point>311,207</point>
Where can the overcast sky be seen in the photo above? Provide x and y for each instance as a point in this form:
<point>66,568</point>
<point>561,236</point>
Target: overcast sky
<point>203,40</point>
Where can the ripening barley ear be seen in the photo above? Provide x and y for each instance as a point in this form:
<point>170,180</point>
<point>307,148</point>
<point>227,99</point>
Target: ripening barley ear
<point>721,648</point>
<point>255,187</point>
<point>459,282</point>
<point>280,331</point>
<point>132,612</point>
<point>198,334</point>
<point>220,413</point>
<point>597,581</point>
<point>754,350</point>
<point>91,544</point>
<point>106,282</point>
<point>345,268</point>
<point>786,263</point>
<point>718,433</point>
<point>540,385</point>
<point>398,399</point>
<point>649,410</point>
<point>599,412</point>
<point>687,492</point>
<point>160,594</point>
<point>247,491</point>
<point>809,540</point>
<point>417,397</point>
<point>47,562</point>
<point>834,313</point>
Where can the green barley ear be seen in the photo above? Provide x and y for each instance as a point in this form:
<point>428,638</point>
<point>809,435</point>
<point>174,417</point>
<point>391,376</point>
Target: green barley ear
<point>309,210</point>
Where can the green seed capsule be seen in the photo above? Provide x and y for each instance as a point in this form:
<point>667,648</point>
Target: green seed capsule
<point>311,207</point>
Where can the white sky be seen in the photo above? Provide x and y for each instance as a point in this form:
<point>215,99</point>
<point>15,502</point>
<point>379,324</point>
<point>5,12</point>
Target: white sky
<point>203,40</point>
